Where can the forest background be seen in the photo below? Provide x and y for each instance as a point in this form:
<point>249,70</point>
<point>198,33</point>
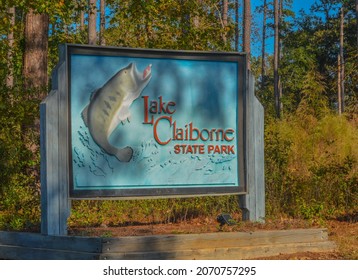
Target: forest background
<point>307,83</point>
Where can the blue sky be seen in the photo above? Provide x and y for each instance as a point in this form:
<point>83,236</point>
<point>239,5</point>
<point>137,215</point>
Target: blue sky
<point>297,5</point>
<point>302,4</point>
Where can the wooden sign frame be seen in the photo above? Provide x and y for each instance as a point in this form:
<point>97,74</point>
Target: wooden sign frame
<point>58,155</point>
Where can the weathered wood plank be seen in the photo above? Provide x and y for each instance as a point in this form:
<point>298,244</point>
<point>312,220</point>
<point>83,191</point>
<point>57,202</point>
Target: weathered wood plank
<point>247,252</point>
<point>34,240</point>
<point>27,253</point>
<point>229,245</point>
<point>211,240</point>
<point>49,122</point>
<point>55,203</point>
<point>253,203</point>
<point>259,159</point>
<point>63,148</point>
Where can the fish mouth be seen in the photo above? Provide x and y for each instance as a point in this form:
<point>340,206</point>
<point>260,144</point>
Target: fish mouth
<point>142,78</point>
<point>147,72</point>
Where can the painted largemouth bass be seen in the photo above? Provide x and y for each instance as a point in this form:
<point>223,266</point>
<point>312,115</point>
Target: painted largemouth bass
<point>109,106</point>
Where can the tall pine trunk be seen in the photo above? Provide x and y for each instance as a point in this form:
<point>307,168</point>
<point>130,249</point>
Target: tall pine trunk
<point>237,25</point>
<point>10,51</point>
<point>280,12</point>
<point>82,20</point>
<point>357,23</point>
<point>224,19</point>
<point>341,65</point>
<point>92,18</point>
<point>276,59</point>
<point>80,7</point>
<point>247,30</point>
<point>263,51</point>
<point>35,81</point>
<point>36,49</point>
<point>339,83</point>
<point>102,40</point>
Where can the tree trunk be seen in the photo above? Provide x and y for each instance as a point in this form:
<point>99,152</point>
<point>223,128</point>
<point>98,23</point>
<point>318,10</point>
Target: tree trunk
<point>82,20</point>
<point>102,40</point>
<point>276,58</point>
<point>10,38</point>
<point>280,12</point>
<point>36,48</point>
<point>263,52</point>
<point>247,30</point>
<point>341,62</point>
<point>339,82</point>
<point>357,22</point>
<point>92,19</point>
<point>237,25</point>
<point>80,7</point>
<point>224,16</point>
<point>35,79</point>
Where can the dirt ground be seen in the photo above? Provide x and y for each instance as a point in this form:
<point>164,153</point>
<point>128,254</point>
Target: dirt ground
<point>342,230</point>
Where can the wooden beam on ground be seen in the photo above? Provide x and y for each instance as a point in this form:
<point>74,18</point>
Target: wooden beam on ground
<point>219,246</point>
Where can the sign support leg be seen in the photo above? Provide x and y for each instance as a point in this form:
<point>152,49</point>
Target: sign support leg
<point>252,204</point>
<point>55,204</point>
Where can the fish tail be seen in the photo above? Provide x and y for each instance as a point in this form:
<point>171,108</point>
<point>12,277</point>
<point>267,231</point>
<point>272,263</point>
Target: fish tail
<point>124,154</point>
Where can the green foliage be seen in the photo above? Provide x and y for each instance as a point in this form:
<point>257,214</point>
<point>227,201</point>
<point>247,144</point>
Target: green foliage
<point>16,114</point>
<point>309,61</point>
<point>19,186</point>
<point>311,165</point>
<point>166,24</point>
<point>20,207</point>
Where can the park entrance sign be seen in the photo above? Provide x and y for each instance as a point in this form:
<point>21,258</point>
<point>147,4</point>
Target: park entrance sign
<point>153,123</point>
<point>133,123</point>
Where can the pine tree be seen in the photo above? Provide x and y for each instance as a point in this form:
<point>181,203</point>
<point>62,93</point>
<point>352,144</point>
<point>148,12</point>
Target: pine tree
<point>247,30</point>
<point>92,18</point>
<point>341,64</point>
<point>276,59</point>
<point>36,51</point>
<point>263,52</point>
<point>102,40</point>
<point>10,39</point>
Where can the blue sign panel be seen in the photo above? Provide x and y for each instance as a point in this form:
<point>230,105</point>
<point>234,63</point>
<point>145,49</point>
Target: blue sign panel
<point>153,123</point>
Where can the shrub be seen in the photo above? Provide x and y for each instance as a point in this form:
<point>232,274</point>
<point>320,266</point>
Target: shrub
<point>93,213</point>
<point>311,165</point>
